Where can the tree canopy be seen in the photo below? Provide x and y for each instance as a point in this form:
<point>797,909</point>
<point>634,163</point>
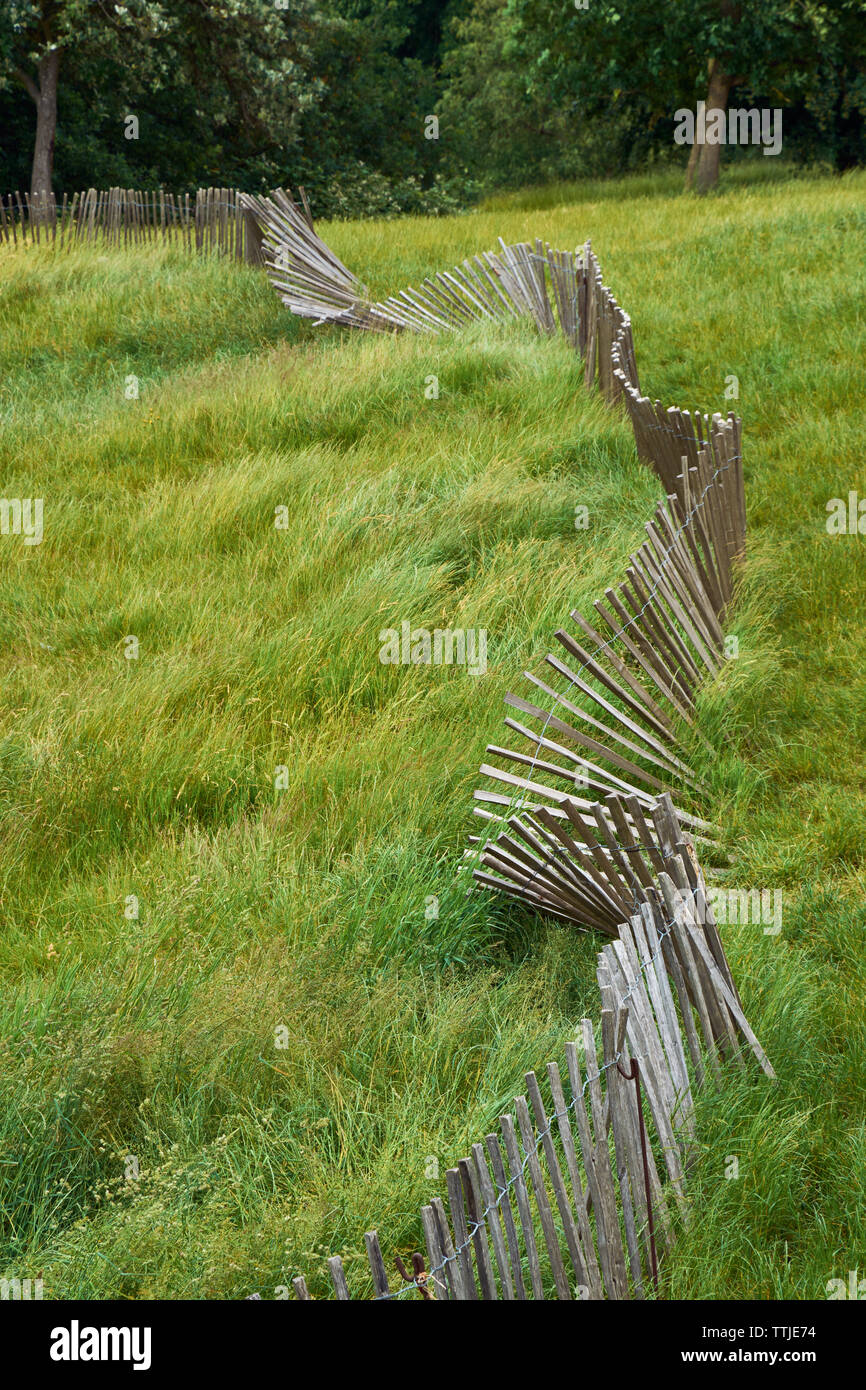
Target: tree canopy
<point>336,94</point>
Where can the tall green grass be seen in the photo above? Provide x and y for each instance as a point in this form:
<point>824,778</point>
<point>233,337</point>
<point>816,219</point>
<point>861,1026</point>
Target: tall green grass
<point>330,914</point>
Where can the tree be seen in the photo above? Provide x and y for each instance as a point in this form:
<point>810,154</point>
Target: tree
<point>648,58</point>
<point>43,89</point>
<point>31,56</point>
<point>34,37</point>
<point>800,51</point>
<point>245,57</point>
<point>752,45</point>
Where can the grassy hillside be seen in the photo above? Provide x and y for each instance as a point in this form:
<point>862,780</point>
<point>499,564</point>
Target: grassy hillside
<point>306,914</point>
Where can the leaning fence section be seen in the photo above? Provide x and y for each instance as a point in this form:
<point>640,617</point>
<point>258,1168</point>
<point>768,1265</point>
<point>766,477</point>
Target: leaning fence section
<point>615,708</point>
<point>577,1195</point>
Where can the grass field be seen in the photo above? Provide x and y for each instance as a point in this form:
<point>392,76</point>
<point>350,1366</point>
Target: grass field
<point>146,1044</point>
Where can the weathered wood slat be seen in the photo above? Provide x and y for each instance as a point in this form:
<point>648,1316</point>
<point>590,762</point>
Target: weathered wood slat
<point>377,1264</point>
<point>453,1269</point>
<point>615,997</point>
<point>468,1289</point>
<point>338,1278</point>
<point>518,1182</point>
<point>626,1167</point>
<point>596,1156</point>
<point>494,1221</point>
<point>542,1200</point>
<point>437,1278</point>
<point>478,1229</point>
<point>504,1191</point>
<point>583,1258</point>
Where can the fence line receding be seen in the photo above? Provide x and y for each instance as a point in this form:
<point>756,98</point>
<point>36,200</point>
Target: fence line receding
<point>575,1196</point>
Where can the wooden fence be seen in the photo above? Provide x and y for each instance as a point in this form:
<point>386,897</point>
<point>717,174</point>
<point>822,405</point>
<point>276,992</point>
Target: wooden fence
<point>631,673</point>
<point>209,220</point>
<point>575,1197</point>
<point>620,694</point>
<point>576,1194</point>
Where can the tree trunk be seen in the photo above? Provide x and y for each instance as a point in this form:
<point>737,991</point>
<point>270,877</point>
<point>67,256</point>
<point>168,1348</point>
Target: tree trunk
<point>45,97</point>
<point>695,152</point>
<point>692,165</point>
<point>706,174</point>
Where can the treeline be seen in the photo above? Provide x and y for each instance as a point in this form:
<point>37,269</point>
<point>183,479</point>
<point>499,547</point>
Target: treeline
<point>380,106</point>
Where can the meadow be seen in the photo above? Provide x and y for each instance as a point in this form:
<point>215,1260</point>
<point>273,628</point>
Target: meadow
<point>248,1006</point>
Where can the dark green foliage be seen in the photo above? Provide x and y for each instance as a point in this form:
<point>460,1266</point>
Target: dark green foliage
<point>335,94</point>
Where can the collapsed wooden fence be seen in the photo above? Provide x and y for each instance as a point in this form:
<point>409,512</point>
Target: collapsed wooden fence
<point>631,673</point>
<point>576,1195</point>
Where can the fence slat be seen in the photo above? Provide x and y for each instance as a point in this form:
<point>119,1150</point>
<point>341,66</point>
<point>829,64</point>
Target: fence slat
<point>377,1264</point>
<point>502,1183</point>
<point>515,1164</point>
<point>437,1280</point>
<point>338,1278</point>
<point>583,1257</point>
<point>474,1208</point>
<point>542,1201</point>
<point>453,1268</point>
<point>461,1235</point>
<point>488,1199</point>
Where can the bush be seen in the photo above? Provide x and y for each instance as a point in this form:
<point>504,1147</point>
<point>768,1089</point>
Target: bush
<point>358,191</point>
